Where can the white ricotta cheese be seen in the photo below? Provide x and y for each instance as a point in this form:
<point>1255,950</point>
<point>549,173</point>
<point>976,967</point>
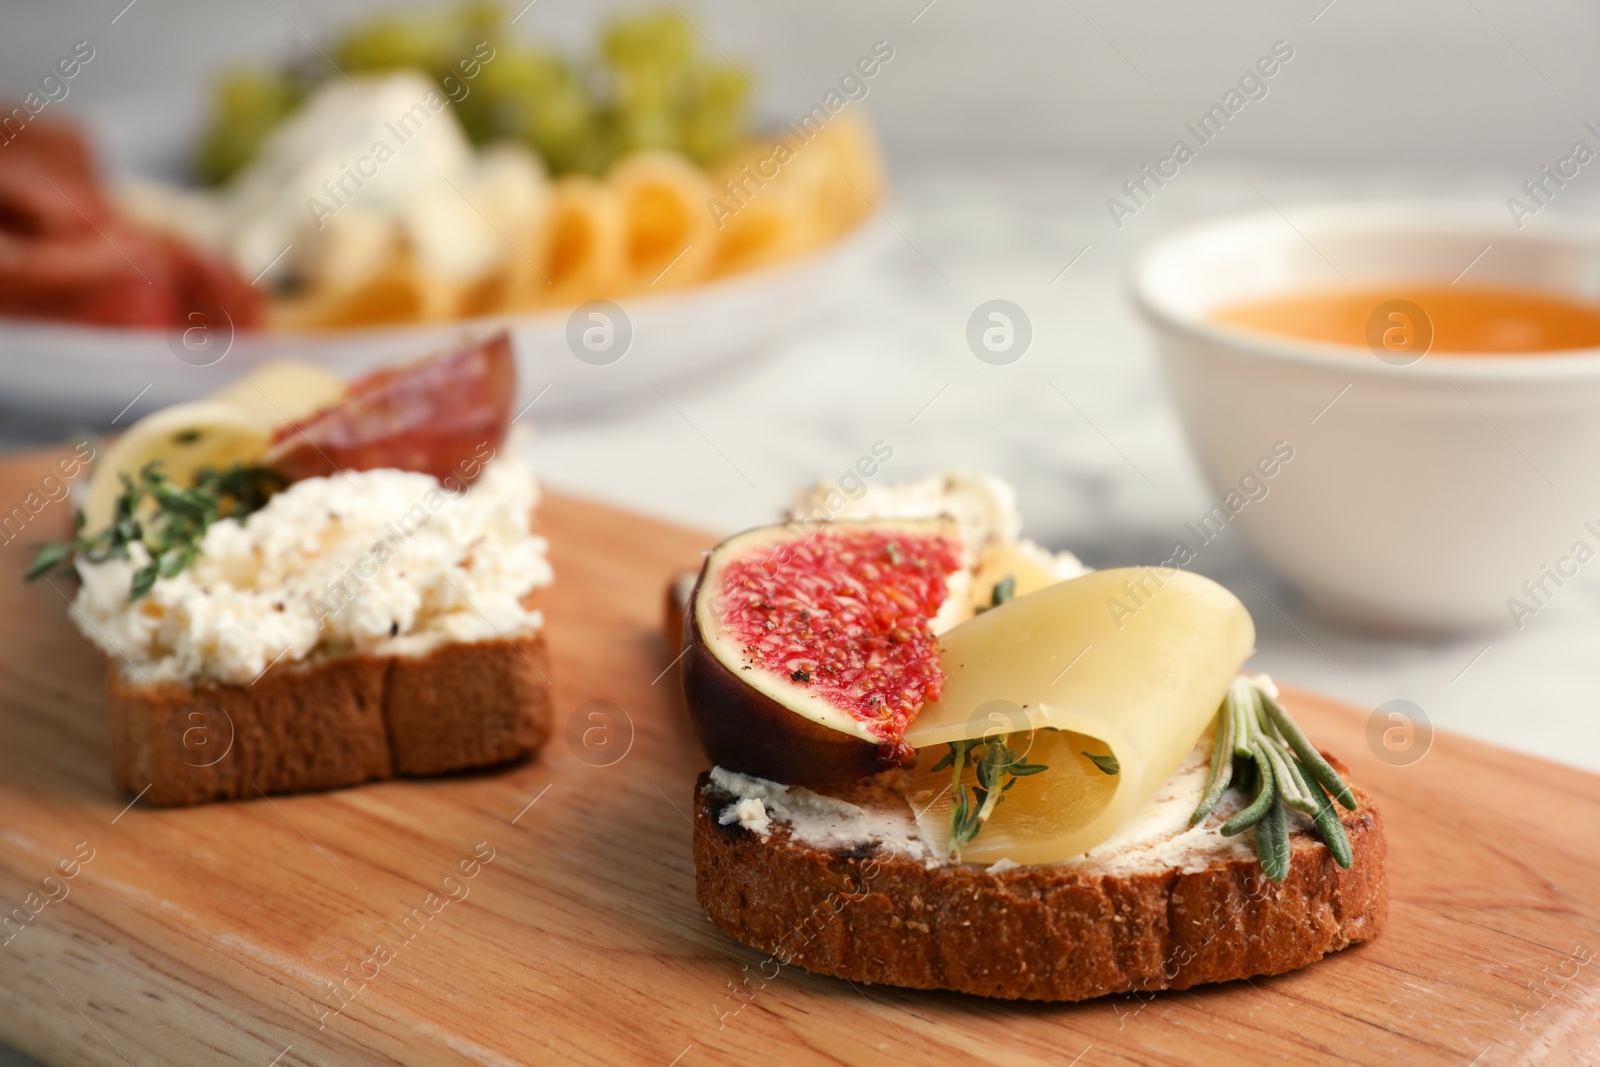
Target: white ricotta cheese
<point>383,562</point>
<point>1063,565</point>
<point>749,813</point>
<point>983,507</point>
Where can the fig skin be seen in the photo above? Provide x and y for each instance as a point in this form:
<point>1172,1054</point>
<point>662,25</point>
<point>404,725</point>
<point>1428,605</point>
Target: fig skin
<point>743,729</point>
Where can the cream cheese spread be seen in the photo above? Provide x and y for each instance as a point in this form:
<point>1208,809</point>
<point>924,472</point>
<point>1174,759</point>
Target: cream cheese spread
<point>381,562</point>
<point>815,818</point>
<point>1156,837</point>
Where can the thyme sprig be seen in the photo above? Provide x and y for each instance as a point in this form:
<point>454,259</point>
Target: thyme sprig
<point>168,520</point>
<point>1106,761</point>
<point>1004,591</point>
<point>996,768</point>
<point>1257,740</point>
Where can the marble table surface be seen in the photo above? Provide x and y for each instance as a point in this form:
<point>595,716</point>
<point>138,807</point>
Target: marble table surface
<point>1082,424</point>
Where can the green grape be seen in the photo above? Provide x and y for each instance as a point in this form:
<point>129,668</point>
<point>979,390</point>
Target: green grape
<point>643,128</point>
<point>500,101</point>
<point>708,132</point>
<point>649,88</point>
<point>481,21</point>
<point>562,128</point>
<point>424,43</point>
<point>644,90</point>
<point>723,85</point>
<point>521,70</point>
<point>655,38</point>
<point>709,104</point>
<point>246,106</point>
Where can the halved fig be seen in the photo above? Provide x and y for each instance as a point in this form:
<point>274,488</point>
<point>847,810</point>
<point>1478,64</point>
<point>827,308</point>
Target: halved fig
<point>810,651</point>
<point>443,416</point>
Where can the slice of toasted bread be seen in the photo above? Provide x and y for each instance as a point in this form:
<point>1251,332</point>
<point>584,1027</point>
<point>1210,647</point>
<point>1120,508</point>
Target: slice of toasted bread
<point>331,723</point>
<point>881,909</point>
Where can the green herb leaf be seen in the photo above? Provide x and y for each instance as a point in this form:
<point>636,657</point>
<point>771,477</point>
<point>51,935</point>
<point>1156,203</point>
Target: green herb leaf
<point>168,520</point>
<point>49,558</point>
<point>1242,706</point>
<point>1002,593</point>
<point>1107,763</point>
<point>1221,772</point>
<point>144,579</point>
<point>996,767</point>
<point>1272,841</point>
<point>1329,826</point>
<point>1320,768</point>
<point>1266,793</point>
<point>1289,773</point>
<point>986,773</point>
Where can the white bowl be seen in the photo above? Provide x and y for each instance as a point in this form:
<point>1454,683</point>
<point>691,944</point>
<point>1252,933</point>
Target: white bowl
<point>1419,497</point>
<point>92,373</point>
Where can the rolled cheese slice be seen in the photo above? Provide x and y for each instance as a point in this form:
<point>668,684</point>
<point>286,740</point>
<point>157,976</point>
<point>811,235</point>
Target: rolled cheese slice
<point>184,439</point>
<point>766,212</point>
<point>583,253</point>
<point>1131,663</point>
<point>285,390</point>
<point>669,238</point>
<point>843,172</point>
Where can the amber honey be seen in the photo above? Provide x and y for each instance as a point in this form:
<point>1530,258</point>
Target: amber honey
<point>1455,319</point>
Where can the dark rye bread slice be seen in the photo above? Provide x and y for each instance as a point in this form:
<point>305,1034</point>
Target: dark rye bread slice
<point>332,723</point>
<point>871,913</point>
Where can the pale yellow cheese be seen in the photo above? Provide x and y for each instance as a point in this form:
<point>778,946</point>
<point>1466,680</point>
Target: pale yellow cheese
<point>184,438</point>
<point>1029,567</point>
<point>1133,662</point>
<point>235,425</point>
<point>285,390</point>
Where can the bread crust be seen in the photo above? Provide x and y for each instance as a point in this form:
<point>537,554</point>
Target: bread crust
<point>1048,932</point>
<point>468,705</point>
<point>337,722</point>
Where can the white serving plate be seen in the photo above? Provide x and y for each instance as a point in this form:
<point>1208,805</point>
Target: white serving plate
<point>94,373</point>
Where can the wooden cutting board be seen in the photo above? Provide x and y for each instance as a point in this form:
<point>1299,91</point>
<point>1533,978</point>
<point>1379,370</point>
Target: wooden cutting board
<point>212,935</point>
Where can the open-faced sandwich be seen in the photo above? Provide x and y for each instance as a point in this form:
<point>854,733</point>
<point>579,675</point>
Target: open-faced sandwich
<point>947,759</point>
<point>301,584</point>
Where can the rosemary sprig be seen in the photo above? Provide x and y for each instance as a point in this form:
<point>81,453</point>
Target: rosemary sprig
<point>996,768</point>
<point>1327,819</point>
<point>1221,772</point>
<point>1272,841</point>
<point>1266,792</point>
<point>169,521</point>
<point>1256,739</point>
<point>1306,751</point>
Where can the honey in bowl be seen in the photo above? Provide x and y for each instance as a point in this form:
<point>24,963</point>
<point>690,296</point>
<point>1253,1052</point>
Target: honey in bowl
<point>1415,319</point>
